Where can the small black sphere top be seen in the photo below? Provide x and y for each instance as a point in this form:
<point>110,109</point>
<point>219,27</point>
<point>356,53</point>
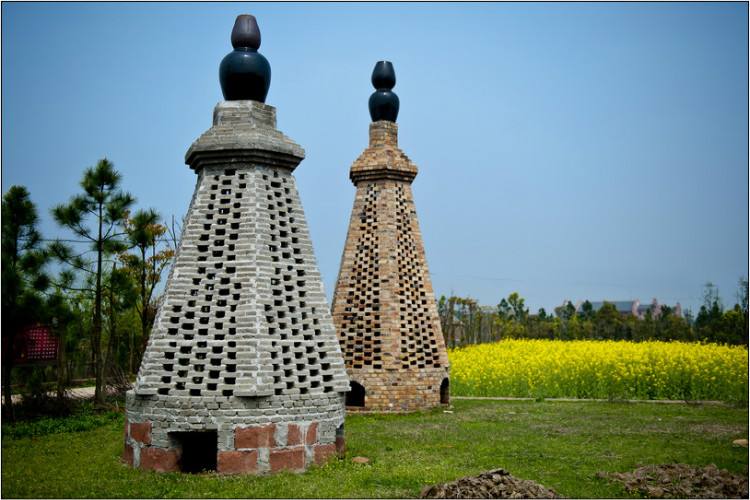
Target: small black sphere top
<point>383,102</point>
<point>245,74</point>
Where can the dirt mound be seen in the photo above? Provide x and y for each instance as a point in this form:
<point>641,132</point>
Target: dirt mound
<point>681,481</point>
<point>493,484</point>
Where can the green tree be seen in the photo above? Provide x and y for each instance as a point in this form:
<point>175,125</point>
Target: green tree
<point>566,311</point>
<point>146,265</point>
<point>711,296</point>
<point>587,311</point>
<point>23,276</point>
<point>574,329</point>
<point>448,319</point>
<point>742,299</point>
<point>76,334</point>
<point>643,329</point>
<point>503,309</point>
<point>469,320</point>
<point>442,307</point>
<point>121,295</point>
<point>709,321</point>
<point>607,322</point>
<point>104,203</point>
<point>518,307</point>
<point>734,325</point>
<point>63,315</point>
<point>714,324</point>
<point>742,294</point>
<point>672,327</point>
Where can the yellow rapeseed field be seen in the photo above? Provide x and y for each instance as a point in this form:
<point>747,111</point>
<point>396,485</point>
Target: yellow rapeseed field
<point>601,369</point>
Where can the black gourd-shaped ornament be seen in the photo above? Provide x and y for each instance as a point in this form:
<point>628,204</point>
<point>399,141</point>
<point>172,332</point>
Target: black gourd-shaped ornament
<point>383,102</point>
<point>245,74</point>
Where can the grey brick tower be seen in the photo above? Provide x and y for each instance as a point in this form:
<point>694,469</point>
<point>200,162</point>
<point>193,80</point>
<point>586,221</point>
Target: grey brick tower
<point>243,372</point>
<point>384,307</point>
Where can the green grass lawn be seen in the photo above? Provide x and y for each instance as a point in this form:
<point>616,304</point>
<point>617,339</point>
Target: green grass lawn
<point>559,444</point>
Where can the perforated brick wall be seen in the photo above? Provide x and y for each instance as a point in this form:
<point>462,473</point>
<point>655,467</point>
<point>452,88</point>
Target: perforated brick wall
<point>384,306</point>
<point>360,328</point>
<point>244,337</point>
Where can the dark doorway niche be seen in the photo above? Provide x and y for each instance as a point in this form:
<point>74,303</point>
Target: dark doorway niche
<point>356,396</point>
<point>445,393</point>
<point>199,450</point>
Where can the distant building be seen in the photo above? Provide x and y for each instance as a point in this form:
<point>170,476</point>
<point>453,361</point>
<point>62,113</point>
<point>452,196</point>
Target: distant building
<point>630,307</point>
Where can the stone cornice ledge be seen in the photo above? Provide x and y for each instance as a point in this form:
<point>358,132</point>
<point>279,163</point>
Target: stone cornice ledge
<point>244,132</point>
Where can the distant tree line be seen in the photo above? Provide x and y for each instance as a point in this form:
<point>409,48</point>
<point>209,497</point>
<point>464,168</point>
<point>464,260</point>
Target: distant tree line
<point>465,322</point>
<point>94,290</point>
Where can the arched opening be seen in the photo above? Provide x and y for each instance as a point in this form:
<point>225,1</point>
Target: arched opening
<point>445,393</point>
<point>356,395</point>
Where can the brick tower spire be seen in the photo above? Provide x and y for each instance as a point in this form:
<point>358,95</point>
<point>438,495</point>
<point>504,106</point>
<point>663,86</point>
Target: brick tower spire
<point>242,372</point>
<point>384,307</point>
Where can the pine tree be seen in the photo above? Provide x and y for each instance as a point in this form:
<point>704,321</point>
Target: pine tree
<point>106,206</point>
<point>23,275</point>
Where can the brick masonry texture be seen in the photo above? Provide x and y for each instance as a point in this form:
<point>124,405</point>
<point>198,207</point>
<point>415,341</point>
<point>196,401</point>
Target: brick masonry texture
<point>141,432</point>
<point>236,462</point>
<point>384,306</point>
<point>159,459</point>
<point>292,459</point>
<point>293,435</point>
<point>261,436</point>
<point>243,341</point>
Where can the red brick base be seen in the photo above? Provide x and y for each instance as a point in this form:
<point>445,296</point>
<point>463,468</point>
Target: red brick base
<point>237,462</point>
<point>312,434</point>
<point>295,450</point>
<point>160,459</point>
<point>141,432</point>
<point>259,436</point>
<point>292,459</point>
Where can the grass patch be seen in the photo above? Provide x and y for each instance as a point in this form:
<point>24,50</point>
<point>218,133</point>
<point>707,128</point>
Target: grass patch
<point>559,444</point>
<point>47,425</point>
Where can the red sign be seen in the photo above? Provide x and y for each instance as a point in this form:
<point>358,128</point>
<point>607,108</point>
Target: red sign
<point>35,344</point>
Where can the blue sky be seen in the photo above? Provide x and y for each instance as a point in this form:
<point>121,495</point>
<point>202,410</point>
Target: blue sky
<point>566,151</point>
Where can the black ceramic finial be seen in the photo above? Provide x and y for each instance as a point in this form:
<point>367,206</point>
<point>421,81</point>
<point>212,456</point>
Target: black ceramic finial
<point>246,32</point>
<point>383,102</point>
<point>245,74</point>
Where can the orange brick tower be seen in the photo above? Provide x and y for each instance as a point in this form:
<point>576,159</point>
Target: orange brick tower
<point>384,307</point>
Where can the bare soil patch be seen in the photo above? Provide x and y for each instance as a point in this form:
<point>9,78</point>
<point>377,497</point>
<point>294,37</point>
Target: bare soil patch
<point>496,483</point>
<point>718,429</point>
<point>681,481</point>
